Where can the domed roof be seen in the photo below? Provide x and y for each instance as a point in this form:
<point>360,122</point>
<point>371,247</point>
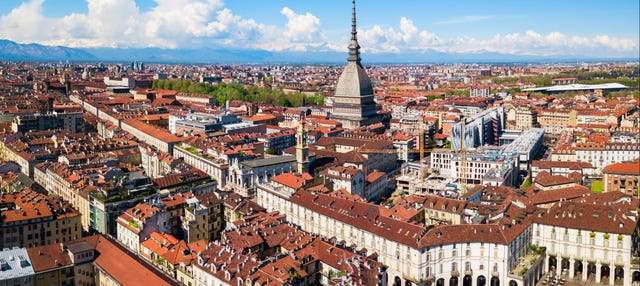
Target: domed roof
<point>354,81</point>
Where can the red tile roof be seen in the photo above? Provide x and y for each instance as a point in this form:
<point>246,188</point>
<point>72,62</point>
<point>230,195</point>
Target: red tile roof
<point>603,218</point>
<point>48,257</point>
<point>158,133</point>
<point>123,266</point>
<point>174,180</point>
<point>289,180</point>
<point>632,168</point>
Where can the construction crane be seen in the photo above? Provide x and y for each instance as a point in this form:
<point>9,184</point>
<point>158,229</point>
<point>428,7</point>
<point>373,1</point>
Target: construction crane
<point>463,158</point>
<point>421,150</point>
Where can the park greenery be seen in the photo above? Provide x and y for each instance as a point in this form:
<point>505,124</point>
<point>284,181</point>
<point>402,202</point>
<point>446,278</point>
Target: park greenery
<point>596,186</point>
<point>629,78</point>
<point>457,92</point>
<point>235,91</point>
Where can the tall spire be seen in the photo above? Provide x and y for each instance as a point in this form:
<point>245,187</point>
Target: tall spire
<point>354,47</point>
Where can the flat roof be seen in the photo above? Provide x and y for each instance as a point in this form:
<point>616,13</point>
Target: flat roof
<point>269,161</point>
<point>576,86</point>
<point>525,142</point>
<point>15,263</point>
<point>79,246</point>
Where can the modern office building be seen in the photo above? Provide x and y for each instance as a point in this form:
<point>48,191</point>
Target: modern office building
<point>480,130</point>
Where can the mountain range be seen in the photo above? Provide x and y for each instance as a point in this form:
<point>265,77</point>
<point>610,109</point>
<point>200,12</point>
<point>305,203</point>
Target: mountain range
<point>12,51</point>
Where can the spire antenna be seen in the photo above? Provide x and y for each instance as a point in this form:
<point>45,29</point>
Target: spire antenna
<point>354,47</point>
<point>353,20</point>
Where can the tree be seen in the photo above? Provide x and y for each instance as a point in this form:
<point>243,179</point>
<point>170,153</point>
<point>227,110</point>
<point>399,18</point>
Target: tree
<point>235,91</point>
<point>284,102</point>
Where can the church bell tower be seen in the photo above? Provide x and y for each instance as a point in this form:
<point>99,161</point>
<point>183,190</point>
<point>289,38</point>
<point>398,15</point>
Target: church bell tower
<point>302,147</point>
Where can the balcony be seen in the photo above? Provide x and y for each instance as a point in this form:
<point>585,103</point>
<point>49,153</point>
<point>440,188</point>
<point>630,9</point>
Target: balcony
<point>468,272</point>
<point>532,260</point>
<point>430,278</point>
<point>635,263</point>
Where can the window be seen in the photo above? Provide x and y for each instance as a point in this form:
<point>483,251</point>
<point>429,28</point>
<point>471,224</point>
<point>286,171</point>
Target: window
<point>467,266</point>
<point>454,267</point>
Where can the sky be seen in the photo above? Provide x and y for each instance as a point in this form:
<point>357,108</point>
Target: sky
<point>592,28</point>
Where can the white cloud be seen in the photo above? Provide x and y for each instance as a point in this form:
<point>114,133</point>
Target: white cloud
<point>24,22</point>
<point>197,23</point>
<point>388,39</point>
<point>407,37</point>
<point>170,24</point>
<point>301,27</point>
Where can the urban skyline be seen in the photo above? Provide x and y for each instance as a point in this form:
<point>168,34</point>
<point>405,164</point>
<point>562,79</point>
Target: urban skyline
<point>270,174</point>
<point>533,28</point>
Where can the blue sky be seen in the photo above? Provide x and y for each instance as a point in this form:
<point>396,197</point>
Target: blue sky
<point>571,27</point>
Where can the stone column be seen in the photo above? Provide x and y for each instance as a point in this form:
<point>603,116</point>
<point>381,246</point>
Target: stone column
<point>628,276</point>
<point>571,267</point>
<point>546,264</point>
<point>598,272</point>
<point>612,274</point>
<point>585,270</point>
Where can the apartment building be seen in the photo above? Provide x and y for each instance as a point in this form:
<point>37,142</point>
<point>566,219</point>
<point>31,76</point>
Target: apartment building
<point>588,240</point>
<point>482,166</point>
<point>16,267</point>
<point>348,178</point>
<point>136,224</point>
<point>526,118</point>
<point>604,154</point>
<point>203,218</point>
<point>71,121</point>
<point>622,177</point>
<point>414,254</point>
<point>159,138</point>
<point>554,121</point>
<point>32,219</point>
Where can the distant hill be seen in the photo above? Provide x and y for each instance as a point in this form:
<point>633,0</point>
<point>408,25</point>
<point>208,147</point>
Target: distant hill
<point>203,55</point>
<point>12,51</point>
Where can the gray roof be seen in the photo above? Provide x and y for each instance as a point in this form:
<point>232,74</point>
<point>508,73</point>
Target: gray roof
<point>15,263</point>
<point>80,246</point>
<point>578,87</point>
<point>269,161</point>
<point>354,81</point>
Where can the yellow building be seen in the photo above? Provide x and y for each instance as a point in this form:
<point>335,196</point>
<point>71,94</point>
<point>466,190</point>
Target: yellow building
<point>33,219</point>
<point>441,210</point>
<point>203,220</point>
<point>52,266</point>
<point>553,121</point>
